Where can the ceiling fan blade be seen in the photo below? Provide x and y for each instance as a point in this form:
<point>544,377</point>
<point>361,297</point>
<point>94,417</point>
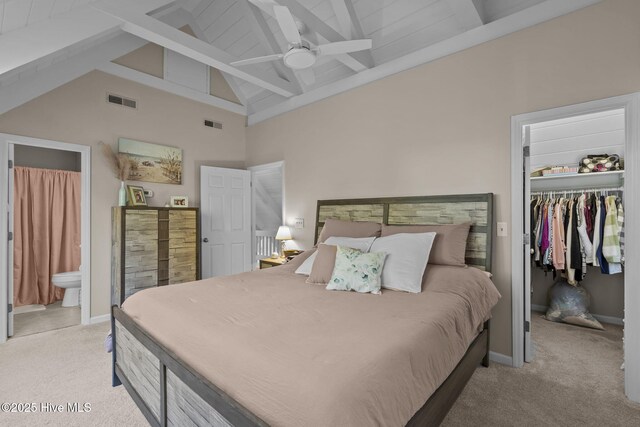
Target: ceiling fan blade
<point>348,46</point>
<point>287,24</point>
<point>257,60</point>
<point>307,75</point>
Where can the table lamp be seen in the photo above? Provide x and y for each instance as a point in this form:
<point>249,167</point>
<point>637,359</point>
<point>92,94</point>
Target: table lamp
<point>283,234</point>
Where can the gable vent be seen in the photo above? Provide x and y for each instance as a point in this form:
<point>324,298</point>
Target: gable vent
<point>212,124</point>
<point>120,100</point>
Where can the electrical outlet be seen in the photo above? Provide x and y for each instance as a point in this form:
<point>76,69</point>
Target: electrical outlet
<point>298,223</point>
<point>502,229</point>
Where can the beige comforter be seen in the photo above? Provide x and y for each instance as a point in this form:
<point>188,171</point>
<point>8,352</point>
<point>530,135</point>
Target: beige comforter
<point>298,355</point>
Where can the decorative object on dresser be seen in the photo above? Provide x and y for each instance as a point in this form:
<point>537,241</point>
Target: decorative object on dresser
<point>136,196</point>
<point>152,162</point>
<point>153,247</point>
<point>272,262</point>
<point>283,234</point>
<point>120,166</point>
<point>179,201</point>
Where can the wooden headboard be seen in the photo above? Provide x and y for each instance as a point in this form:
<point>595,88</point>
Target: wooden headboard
<point>422,210</point>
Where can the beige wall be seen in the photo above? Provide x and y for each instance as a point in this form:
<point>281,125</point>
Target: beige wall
<point>78,113</point>
<point>445,127</point>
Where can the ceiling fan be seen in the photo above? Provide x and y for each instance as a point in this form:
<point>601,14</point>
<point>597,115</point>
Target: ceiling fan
<point>301,55</point>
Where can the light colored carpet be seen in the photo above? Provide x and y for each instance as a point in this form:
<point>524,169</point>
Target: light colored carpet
<point>50,317</point>
<point>61,366</point>
<point>574,381</point>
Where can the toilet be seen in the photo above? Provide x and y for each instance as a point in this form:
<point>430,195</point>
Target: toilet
<point>71,282</point>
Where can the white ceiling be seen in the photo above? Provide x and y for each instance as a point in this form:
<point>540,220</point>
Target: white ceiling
<point>36,35</point>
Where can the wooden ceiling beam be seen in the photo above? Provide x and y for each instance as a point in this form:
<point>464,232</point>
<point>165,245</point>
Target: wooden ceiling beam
<point>469,13</point>
<point>357,61</point>
<point>171,38</point>
<point>317,25</point>
<point>350,23</point>
<point>268,41</point>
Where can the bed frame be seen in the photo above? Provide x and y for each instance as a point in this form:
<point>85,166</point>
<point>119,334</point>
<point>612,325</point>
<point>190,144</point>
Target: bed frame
<point>169,392</point>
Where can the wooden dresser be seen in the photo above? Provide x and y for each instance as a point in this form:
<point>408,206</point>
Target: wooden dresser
<point>153,247</point>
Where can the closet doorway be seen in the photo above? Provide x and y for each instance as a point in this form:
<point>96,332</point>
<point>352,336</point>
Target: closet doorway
<point>51,235</point>
<point>562,137</point>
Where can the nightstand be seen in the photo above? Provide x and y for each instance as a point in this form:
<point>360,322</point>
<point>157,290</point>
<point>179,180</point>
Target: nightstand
<point>272,262</point>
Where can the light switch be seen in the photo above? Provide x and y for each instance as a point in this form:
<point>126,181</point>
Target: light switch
<point>502,229</point>
<point>298,223</point>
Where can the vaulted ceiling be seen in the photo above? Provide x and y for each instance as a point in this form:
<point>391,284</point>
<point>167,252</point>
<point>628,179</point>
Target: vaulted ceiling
<point>45,43</point>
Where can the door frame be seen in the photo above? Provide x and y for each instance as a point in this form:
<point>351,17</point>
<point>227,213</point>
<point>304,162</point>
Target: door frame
<point>252,169</point>
<point>631,104</point>
<point>85,215</point>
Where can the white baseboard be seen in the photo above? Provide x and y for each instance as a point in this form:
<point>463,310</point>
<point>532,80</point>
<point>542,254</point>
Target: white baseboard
<point>604,319</point>
<point>100,319</point>
<point>500,358</point>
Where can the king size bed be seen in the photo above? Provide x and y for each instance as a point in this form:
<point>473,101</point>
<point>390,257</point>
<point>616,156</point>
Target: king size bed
<point>266,348</point>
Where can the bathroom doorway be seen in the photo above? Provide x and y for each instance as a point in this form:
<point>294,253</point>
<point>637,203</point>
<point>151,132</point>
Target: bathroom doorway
<point>46,275</point>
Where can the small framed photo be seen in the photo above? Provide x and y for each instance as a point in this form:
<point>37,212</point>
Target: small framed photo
<point>136,195</point>
<point>179,202</point>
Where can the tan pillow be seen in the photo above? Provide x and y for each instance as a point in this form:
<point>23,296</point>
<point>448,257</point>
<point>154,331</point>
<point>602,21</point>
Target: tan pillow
<point>339,228</point>
<point>449,246</point>
<point>323,265</point>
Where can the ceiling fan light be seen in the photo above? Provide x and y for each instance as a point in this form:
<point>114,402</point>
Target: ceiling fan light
<point>299,58</point>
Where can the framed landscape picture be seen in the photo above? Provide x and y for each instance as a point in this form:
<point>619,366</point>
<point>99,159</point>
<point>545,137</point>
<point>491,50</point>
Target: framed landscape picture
<point>152,162</point>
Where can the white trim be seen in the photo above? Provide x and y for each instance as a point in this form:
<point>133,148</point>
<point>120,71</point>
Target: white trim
<point>100,319</point>
<point>531,16</point>
<point>85,250</point>
<point>631,104</point>
<point>167,86</point>
<point>604,319</point>
<point>4,217</point>
<point>503,359</point>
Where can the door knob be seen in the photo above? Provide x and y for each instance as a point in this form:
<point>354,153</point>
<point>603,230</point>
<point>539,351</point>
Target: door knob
<point>206,240</point>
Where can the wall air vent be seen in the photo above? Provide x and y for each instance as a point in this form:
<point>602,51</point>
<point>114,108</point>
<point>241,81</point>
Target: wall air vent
<point>212,124</point>
<point>120,100</point>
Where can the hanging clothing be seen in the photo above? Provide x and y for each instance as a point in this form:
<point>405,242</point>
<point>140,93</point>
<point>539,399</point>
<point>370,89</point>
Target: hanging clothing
<point>559,247</point>
<point>604,265</point>
<point>597,230</point>
<point>587,247</point>
<point>611,237</point>
<point>620,227</point>
<point>569,234</point>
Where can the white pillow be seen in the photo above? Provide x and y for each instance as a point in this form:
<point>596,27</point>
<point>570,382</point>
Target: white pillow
<point>407,256</point>
<point>360,243</point>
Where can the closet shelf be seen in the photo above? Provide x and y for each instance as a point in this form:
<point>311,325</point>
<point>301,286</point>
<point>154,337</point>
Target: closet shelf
<point>578,181</point>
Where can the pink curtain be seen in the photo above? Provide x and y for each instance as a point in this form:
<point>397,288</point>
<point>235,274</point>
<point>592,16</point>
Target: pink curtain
<point>46,232</point>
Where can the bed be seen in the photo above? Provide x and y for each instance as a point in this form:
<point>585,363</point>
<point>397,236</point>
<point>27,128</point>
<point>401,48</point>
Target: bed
<point>264,348</point>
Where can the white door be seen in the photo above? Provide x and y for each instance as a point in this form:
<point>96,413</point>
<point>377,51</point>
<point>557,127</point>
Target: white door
<point>267,207</point>
<point>526,170</point>
<point>10,243</point>
<point>225,196</point>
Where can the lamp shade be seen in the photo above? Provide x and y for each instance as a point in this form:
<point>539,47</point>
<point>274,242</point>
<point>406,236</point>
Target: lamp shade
<point>284,233</point>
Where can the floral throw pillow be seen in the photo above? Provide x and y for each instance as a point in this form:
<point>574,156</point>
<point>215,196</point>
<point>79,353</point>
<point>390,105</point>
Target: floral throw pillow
<point>357,271</point>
